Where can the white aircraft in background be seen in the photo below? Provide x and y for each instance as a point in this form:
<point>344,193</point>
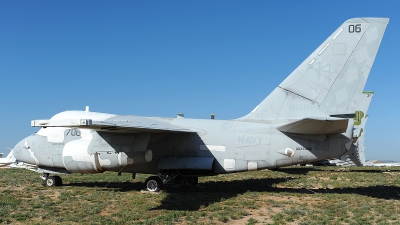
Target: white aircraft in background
<point>382,163</point>
<point>8,160</point>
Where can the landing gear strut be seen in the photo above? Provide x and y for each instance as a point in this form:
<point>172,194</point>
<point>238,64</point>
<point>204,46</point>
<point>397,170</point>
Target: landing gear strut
<point>51,181</point>
<point>191,180</point>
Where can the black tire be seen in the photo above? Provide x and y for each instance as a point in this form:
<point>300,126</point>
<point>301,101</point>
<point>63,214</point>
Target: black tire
<point>50,181</point>
<point>58,180</point>
<point>154,184</point>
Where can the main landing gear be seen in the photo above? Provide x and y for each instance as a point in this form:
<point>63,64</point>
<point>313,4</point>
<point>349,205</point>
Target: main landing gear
<point>51,181</point>
<point>156,183</point>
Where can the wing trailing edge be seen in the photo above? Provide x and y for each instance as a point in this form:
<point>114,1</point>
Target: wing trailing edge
<point>315,126</point>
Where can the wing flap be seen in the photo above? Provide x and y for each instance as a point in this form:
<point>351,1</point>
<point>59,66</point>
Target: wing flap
<point>132,125</point>
<point>316,126</point>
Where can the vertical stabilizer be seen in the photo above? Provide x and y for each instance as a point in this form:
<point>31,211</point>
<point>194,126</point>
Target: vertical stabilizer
<point>331,80</point>
<point>8,160</point>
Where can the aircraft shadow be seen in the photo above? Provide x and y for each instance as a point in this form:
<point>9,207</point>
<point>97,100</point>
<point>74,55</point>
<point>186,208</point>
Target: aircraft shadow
<point>371,171</point>
<point>190,198</point>
<point>115,186</point>
<point>193,198</point>
<point>297,170</point>
<point>305,170</point>
<point>185,198</point>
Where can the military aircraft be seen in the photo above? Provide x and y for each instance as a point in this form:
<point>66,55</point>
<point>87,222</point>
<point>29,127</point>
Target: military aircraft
<point>306,118</point>
<point>9,159</point>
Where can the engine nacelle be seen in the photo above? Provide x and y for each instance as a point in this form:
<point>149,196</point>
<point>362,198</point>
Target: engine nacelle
<point>78,158</point>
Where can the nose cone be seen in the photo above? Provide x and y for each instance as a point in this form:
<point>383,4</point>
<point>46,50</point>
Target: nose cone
<point>24,153</point>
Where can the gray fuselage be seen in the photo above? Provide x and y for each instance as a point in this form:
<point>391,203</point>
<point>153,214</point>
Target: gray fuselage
<point>234,145</point>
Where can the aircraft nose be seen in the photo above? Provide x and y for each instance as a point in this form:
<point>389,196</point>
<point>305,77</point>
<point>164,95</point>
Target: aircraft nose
<point>24,153</point>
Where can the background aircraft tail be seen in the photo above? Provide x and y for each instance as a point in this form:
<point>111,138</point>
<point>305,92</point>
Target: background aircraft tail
<point>9,159</point>
<point>331,80</point>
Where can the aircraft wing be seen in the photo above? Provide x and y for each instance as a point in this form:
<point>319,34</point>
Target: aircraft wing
<point>120,124</point>
<point>316,126</point>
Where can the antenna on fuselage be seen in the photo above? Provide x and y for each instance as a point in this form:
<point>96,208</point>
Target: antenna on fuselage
<point>87,109</point>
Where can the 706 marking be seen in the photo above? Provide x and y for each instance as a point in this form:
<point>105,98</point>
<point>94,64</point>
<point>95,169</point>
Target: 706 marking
<point>73,132</point>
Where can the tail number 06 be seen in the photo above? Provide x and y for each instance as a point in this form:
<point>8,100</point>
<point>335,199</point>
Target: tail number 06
<point>355,28</point>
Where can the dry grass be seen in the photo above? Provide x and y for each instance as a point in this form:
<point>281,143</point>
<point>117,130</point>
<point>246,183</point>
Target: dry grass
<point>294,195</point>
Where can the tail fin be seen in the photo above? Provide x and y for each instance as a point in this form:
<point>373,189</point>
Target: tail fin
<point>8,160</point>
<point>331,80</point>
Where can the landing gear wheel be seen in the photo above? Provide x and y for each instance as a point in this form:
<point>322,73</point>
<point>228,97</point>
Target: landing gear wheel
<point>154,184</point>
<point>58,180</point>
<point>50,182</point>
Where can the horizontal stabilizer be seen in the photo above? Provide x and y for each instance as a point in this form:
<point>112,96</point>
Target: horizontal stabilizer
<point>316,126</point>
<point>134,124</point>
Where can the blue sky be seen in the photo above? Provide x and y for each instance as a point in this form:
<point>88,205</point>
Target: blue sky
<point>159,58</point>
